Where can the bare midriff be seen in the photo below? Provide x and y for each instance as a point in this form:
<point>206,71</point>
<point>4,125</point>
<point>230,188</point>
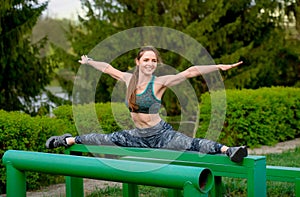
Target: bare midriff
<point>142,120</point>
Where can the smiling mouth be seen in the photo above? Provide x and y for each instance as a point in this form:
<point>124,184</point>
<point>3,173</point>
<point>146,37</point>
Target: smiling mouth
<point>149,68</point>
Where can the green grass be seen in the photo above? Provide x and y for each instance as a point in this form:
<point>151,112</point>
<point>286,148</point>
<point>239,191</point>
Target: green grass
<point>107,192</point>
<point>232,187</point>
<point>288,158</point>
<point>146,191</point>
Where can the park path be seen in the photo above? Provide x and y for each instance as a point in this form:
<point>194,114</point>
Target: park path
<point>278,148</point>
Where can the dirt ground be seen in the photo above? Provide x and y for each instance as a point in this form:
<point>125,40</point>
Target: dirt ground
<point>59,190</point>
<point>91,185</point>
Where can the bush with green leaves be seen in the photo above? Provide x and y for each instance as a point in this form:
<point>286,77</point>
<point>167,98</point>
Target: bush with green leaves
<point>99,117</point>
<point>19,131</point>
<point>254,117</point>
<point>251,117</point>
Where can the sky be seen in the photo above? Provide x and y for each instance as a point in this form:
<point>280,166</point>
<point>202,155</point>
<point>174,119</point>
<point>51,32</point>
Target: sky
<point>63,8</point>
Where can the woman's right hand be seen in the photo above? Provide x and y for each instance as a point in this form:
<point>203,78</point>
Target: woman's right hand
<point>84,59</point>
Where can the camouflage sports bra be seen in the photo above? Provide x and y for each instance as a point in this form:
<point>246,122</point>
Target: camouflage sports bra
<point>146,101</point>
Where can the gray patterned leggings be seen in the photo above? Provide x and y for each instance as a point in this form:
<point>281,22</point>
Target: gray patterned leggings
<point>161,135</point>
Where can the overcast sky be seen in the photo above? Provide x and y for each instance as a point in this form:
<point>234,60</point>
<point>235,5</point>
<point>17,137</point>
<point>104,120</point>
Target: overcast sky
<point>63,8</point>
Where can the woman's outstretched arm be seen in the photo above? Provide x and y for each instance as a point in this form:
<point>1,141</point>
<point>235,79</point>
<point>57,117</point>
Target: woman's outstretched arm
<point>194,71</point>
<point>106,68</point>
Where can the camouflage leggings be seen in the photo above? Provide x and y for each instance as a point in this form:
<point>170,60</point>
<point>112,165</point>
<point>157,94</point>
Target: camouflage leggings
<point>161,135</point>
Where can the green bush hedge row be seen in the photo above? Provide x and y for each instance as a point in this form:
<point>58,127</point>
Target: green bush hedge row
<point>99,117</point>
<point>252,117</point>
<point>19,131</point>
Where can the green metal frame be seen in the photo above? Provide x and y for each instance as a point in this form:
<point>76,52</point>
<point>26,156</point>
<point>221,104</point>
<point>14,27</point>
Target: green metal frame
<point>194,180</point>
<point>253,168</point>
<point>285,174</point>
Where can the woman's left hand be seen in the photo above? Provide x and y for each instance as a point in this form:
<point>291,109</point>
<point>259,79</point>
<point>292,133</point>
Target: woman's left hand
<point>228,66</point>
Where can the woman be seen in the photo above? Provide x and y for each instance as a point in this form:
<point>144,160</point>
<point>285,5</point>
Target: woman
<point>144,93</point>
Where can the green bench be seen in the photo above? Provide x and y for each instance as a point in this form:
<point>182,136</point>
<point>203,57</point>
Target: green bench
<point>253,168</point>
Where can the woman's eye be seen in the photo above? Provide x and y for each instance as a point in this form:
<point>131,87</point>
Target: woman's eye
<point>148,60</point>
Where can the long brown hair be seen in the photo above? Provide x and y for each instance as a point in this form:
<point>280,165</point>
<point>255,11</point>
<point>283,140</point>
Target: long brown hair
<point>131,90</point>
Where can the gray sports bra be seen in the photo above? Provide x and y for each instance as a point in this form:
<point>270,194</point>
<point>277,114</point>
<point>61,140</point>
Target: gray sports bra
<point>146,101</point>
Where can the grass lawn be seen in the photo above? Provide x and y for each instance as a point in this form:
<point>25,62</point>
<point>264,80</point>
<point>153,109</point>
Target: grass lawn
<point>232,187</point>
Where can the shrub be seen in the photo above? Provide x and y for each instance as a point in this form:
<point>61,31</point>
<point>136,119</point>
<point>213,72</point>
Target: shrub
<point>255,117</point>
<point>99,117</point>
<point>19,131</point>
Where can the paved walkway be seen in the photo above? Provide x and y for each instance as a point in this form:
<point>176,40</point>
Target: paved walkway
<point>278,148</point>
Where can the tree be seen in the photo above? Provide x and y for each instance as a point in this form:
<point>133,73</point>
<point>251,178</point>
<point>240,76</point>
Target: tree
<point>273,59</point>
<point>292,11</point>
<point>23,73</point>
<point>230,30</point>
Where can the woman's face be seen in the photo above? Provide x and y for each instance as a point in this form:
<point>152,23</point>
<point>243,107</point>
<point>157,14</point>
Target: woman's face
<point>147,63</point>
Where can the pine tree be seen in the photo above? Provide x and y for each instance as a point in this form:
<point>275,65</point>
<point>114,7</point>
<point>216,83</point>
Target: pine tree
<point>23,73</point>
<point>230,30</point>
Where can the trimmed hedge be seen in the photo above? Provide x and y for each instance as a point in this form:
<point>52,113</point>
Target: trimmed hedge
<point>19,131</point>
<point>255,117</point>
<point>99,117</point>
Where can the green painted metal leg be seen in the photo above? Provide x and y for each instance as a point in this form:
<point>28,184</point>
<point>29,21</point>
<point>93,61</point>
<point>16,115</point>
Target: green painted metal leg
<point>174,193</point>
<point>189,190</point>
<point>130,190</point>
<point>217,189</point>
<point>15,182</point>
<point>297,187</point>
<point>74,187</point>
<point>257,178</point>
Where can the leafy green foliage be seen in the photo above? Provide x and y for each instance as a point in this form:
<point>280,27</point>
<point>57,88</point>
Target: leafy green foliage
<point>23,72</point>
<point>19,131</point>
<point>256,117</point>
<point>253,117</point>
<point>54,29</point>
<point>230,31</point>
<point>101,117</point>
<point>58,51</point>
